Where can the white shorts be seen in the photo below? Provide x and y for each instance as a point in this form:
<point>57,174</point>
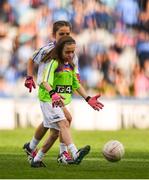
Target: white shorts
<point>51,115</point>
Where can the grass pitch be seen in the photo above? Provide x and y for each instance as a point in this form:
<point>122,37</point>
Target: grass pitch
<point>134,165</point>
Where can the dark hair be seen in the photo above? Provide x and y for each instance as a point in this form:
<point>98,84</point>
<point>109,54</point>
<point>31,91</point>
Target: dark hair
<point>58,24</point>
<point>56,52</point>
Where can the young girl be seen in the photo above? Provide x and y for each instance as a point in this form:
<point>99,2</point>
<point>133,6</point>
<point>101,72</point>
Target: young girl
<point>59,81</point>
<point>41,57</point>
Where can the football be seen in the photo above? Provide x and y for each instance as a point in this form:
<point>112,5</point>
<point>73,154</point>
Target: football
<point>113,151</point>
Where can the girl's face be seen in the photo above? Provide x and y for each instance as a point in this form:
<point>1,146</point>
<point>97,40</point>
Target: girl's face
<point>63,31</point>
<point>68,52</point>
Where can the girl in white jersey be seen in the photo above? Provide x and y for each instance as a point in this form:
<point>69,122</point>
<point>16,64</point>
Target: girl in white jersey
<point>60,29</point>
<point>57,85</point>
<point>41,57</point>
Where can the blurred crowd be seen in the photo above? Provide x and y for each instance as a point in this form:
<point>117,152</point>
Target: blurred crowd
<point>112,42</point>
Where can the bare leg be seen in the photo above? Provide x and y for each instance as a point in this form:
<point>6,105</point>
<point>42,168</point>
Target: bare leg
<point>40,132</point>
<point>65,132</point>
<point>50,140</point>
<point>47,145</point>
<point>68,118</point>
<point>67,139</point>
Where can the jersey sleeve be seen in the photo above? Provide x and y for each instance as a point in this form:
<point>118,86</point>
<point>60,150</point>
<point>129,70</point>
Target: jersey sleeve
<point>75,61</point>
<point>76,83</point>
<point>40,53</point>
<point>49,72</point>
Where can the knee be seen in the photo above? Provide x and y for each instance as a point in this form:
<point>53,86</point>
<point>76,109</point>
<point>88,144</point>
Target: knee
<point>63,125</point>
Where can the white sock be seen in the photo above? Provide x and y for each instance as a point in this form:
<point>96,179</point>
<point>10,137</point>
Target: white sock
<point>33,143</point>
<point>63,147</point>
<point>73,150</point>
<point>39,156</point>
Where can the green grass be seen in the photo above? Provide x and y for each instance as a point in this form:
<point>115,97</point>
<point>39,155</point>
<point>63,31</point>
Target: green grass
<point>134,165</point>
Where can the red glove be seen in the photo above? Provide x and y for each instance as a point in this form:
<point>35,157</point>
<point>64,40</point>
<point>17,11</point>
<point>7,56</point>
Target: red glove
<point>29,83</point>
<point>57,100</point>
<point>94,103</point>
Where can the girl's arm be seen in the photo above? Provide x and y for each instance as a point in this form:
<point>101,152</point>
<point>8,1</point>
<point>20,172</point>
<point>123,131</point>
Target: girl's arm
<point>92,101</point>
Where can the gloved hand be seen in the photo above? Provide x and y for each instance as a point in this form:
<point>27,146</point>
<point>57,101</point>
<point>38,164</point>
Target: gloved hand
<point>29,83</point>
<point>94,103</point>
<point>57,100</point>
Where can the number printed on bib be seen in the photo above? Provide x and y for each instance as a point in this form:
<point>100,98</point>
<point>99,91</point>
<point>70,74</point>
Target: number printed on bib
<point>64,89</point>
